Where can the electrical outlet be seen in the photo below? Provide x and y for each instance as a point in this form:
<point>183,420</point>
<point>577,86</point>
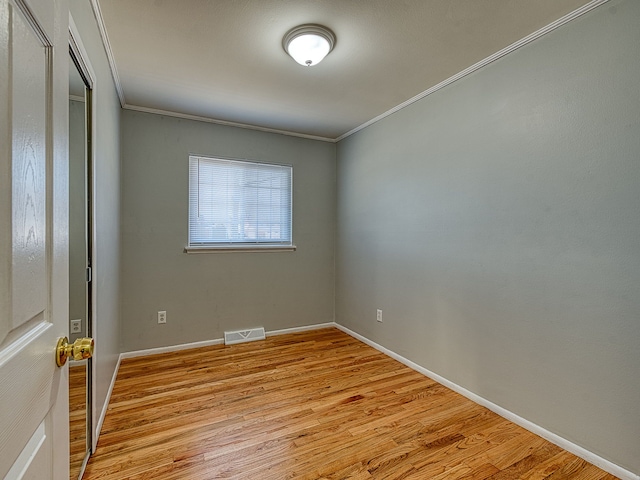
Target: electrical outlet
<point>379,315</point>
<point>76,326</point>
<point>162,316</point>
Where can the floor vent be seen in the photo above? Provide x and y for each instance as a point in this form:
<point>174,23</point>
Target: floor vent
<point>240,336</point>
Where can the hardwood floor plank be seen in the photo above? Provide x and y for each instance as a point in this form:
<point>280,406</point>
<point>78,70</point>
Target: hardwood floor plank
<point>433,459</point>
<point>482,472</point>
<point>311,405</point>
<point>527,463</point>
<point>548,467</point>
<point>77,418</point>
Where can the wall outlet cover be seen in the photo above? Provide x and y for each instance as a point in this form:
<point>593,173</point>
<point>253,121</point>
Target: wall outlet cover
<point>76,326</point>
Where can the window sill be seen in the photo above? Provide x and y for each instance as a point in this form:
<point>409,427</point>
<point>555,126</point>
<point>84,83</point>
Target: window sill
<point>241,248</point>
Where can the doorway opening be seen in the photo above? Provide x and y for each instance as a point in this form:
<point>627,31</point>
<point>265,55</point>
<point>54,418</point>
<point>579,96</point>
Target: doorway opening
<point>81,234</point>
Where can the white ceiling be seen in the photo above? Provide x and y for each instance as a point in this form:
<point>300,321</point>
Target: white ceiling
<point>223,59</point>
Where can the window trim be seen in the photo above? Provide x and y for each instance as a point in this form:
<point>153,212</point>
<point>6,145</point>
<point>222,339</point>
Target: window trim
<point>248,247</point>
<point>239,248</point>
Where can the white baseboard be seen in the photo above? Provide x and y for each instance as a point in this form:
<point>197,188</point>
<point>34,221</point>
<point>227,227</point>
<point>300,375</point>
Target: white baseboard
<point>306,328</point>
<point>105,407</point>
<point>577,450</point>
<point>184,346</point>
<point>218,341</point>
<point>171,348</point>
<point>581,452</point>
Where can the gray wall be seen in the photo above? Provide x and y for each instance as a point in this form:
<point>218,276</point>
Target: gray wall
<point>497,225</point>
<point>107,203</point>
<point>206,294</point>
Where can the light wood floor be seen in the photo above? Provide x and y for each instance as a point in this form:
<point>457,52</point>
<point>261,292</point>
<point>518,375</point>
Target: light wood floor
<point>77,417</point>
<point>313,405</point>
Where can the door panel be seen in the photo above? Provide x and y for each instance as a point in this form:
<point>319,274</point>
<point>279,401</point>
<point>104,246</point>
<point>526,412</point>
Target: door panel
<point>33,461</point>
<point>30,72</point>
<point>32,239</point>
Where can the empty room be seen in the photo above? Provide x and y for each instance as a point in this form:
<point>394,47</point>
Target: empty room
<point>320,239</point>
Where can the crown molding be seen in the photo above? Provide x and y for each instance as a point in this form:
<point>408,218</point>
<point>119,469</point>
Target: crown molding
<point>482,63</point>
<point>473,68</point>
<point>187,116</point>
<point>97,13</point>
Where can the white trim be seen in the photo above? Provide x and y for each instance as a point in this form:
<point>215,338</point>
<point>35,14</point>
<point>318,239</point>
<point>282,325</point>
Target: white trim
<point>83,467</point>
<point>79,51</point>
<point>569,446</point>
<point>14,344</point>
<point>198,118</point>
<point>97,13</point>
<point>28,454</point>
<point>505,51</point>
<point>170,348</point>
<point>244,249</point>
<point>305,328</point>
<point>491,58</point>
<point>216,341</point>
<point>105,406</point>
<point>184,346</point>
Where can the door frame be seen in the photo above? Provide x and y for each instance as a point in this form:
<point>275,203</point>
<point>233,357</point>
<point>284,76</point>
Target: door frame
<point>79,53</point>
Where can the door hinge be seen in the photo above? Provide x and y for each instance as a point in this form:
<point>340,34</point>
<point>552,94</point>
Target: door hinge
<point>88,274</point>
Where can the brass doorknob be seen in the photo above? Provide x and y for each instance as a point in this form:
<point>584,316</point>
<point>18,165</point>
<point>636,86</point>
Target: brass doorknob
<point>80,349</point>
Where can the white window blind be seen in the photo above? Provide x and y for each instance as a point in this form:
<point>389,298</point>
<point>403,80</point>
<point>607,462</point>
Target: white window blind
<point>239,203</point>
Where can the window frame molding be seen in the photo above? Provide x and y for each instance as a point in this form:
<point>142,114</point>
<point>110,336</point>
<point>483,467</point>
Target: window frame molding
<point>238,247</point>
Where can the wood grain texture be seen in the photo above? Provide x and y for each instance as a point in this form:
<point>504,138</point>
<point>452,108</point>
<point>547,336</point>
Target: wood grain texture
<point>77,417</point>
<point>312,405</point>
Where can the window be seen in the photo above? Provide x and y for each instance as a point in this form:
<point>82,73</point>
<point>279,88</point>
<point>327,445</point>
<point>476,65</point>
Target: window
<point>236,204</point>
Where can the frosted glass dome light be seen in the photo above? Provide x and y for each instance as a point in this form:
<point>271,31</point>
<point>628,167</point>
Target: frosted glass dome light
<point>309,44</point>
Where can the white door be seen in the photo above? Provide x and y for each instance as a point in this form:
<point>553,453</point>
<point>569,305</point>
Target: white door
<point>33,238</point>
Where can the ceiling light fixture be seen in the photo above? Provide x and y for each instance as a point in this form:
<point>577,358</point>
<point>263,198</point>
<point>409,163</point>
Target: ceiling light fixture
<point>309,44</point>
